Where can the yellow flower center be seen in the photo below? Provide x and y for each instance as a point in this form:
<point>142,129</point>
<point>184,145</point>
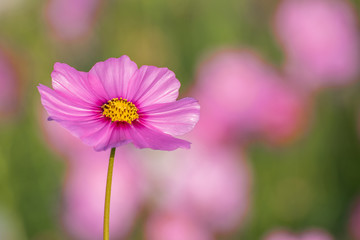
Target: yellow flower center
<point>120,110</point>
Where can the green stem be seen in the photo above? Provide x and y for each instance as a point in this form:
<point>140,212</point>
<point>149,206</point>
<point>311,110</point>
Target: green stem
<point>108,194</point>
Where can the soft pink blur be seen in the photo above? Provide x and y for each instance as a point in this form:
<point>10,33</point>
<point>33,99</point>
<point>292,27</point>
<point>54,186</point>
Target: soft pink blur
<point>85,193</point>
<point>209,184</point>
<point>312,234</point>
<point>354,224</point>
<point>320,39</point>
<point>174,226</point>
<point>71,19</point>
<point>9,82</point>
<point>241,95</point>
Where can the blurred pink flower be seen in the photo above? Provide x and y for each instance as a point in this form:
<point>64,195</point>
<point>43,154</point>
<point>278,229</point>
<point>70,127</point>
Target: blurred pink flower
<point>9,82</point>
<point>174,226</point>
<point>354,224</point>
<point>320,39</point>
<point>284,114</point>
<point>312,234</point>
<point>85,190</point>
<point>71,19</point>
<point>117,103</point>
<point>209,184</point>
<point>244,96</point>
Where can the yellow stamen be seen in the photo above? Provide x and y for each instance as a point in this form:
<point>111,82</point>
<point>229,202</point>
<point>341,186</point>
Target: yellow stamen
<point>120,110</point>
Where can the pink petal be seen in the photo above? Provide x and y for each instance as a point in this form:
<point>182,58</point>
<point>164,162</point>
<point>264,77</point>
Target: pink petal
<point>101,134</point>
<point>175,118</point>
<point>113,137</point>
<point>70,82</point>
<point>62,108</point>
<point>85,122</point>
<point>115,75</point>
<point>145,137</point>
<point>154,85</point>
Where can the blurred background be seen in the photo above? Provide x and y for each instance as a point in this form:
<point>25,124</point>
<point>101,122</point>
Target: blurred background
<point>275,155</point>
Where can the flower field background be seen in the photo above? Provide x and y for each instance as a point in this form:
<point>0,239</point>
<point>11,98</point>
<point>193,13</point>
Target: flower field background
<point>275,155</point>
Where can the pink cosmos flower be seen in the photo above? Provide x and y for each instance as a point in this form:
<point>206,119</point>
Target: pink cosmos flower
<point>320,39</point>
<point>84,194</point>
<point>174,226</point>
<point>116,103</point>
<point>312,234</point>
<point>248,97</point>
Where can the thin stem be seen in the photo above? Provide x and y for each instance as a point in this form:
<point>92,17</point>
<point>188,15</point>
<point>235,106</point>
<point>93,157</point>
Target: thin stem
<point>108,194</point>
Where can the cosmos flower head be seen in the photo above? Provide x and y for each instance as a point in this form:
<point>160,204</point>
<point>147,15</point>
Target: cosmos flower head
<point>116,103</point>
